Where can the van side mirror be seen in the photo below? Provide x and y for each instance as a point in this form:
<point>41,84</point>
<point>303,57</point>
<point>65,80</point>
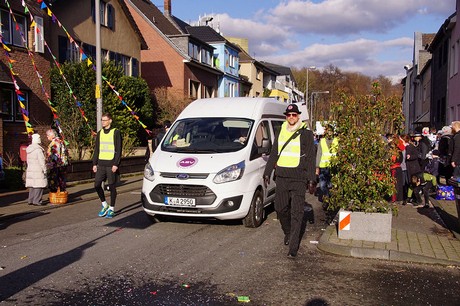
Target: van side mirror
<point>266,146</point>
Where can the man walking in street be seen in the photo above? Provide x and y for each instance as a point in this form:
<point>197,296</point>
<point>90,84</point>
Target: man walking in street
<point>327,148</point>
<point>294,156</point>
<point>106,160</point>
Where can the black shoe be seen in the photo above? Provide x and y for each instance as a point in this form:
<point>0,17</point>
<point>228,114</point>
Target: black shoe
<point>292,255</point>
<point>286,239</point>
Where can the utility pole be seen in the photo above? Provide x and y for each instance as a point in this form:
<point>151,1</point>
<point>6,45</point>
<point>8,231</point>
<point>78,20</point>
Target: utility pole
<point>98,90</point>
<point>306,91</point>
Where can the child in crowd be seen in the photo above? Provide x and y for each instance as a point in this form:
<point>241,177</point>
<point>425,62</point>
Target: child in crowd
<point>421,183</point>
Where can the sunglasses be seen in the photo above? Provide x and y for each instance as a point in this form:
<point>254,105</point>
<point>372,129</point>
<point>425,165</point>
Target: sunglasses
<point>292,115</point>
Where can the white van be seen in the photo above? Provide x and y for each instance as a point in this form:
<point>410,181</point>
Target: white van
<point>211,161</point>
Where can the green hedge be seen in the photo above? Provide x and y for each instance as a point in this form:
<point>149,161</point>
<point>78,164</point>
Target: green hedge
<point>13,179</point>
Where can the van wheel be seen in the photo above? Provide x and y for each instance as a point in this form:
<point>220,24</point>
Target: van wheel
<point>255,215</point>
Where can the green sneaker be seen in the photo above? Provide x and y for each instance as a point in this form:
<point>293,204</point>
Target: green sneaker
<point>103,211</point>
<point>110,214</point>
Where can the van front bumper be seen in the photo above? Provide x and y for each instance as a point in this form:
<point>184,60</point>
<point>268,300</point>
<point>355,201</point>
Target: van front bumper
<point>225,206</point>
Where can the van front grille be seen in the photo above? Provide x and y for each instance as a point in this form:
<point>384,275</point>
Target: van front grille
<point>180,190</point>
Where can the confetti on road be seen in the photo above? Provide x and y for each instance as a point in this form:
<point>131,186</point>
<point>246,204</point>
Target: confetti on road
<point>244,299</point>
<point>153,292</point>
<point>313,241</point>
<point>24,257</point>
<point>186,285</point>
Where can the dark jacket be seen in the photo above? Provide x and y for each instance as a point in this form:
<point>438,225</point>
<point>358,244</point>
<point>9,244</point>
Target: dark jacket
<point>445,148</point>
<point>118,146</point>
<point>424,147</point>
<point>306,169</point>
<point>456,150</point>
<point>412,160</point>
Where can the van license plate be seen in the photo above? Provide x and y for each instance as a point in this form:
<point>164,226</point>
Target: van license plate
<point>184,202</point>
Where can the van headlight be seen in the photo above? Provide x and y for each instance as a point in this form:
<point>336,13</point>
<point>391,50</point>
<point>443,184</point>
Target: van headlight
<point>230,174</point>
<point>148,172</point>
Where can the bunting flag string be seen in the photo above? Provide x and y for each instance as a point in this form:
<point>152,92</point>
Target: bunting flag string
<point>19,93</point>
<point>84,57</point>
<point>52,106</point>
<point>39,76</point>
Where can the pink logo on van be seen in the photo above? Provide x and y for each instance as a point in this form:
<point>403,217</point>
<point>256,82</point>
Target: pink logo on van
<point>187,162</point>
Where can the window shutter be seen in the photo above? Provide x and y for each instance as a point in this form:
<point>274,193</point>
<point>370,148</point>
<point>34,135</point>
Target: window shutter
<point>39,44</point>
<point>110,17</point>
<point>135,67</point>
<point>93,11</point>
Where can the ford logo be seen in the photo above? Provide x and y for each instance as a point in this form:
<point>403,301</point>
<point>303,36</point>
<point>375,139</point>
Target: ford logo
<point>182,176</point>
<point>187,162</point>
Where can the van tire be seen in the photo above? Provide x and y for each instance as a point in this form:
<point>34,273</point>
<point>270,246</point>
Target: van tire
<point>255,216</point>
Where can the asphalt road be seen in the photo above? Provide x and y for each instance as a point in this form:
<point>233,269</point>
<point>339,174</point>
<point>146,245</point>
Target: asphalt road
<point>69,256</point>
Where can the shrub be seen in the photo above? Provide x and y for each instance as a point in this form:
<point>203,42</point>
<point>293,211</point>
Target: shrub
<point>361,176</point>
<point>13,179</point>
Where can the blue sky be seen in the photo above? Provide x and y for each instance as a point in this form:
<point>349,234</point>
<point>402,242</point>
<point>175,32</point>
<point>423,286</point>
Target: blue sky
<point>373,37</point>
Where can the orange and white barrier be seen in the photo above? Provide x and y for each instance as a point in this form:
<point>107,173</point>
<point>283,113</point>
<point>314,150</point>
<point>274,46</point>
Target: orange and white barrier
<point>344,220</point>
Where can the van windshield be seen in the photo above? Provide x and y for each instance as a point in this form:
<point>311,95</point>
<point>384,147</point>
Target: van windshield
<point>208,135</point>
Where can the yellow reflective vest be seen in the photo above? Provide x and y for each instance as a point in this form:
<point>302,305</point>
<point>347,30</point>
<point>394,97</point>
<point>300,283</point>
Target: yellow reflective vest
<point>107,145</point>
<point>327,153</point>
<point>290,156</point>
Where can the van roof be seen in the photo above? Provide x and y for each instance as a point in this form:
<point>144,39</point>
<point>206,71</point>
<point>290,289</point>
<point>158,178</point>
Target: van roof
<point>239,107</point>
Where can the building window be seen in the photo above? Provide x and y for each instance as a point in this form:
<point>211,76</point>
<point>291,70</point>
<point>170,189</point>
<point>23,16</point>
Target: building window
<point>194,89</point>
<point>10,106</point>
<point>206,57</point>
<point>68,52</point>
<point>126,64</point>
<point>194,51</point>
<point>106,12</point>
<point>11,35</point>
<point>231,60</point>
<point>453,63</point>
<point>207,92</point>
<point>39,43</point>
<point>258,74</point>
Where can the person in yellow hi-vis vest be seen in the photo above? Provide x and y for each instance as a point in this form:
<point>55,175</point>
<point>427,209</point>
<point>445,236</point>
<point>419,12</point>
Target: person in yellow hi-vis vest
<point>293,154</point>
<point>106,161</point>
<point>327,148</point>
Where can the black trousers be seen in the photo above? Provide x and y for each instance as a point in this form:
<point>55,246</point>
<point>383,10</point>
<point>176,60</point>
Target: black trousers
<point>103,174</point>
<point>289,206</point>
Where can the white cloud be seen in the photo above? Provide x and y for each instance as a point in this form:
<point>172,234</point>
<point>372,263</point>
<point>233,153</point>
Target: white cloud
<point>338,17</point>
<point>305,33</point>
<point>360,55</point>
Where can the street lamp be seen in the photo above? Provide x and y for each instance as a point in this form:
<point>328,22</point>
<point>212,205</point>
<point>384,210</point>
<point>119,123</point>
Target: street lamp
<point>311,104</point>
<point>306,83</point>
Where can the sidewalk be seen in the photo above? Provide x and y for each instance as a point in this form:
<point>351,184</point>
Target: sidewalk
<point>423,235</point>
<point>13,204</point>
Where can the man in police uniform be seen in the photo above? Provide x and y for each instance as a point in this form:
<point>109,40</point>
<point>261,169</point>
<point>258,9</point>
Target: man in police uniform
<point>295,167</point>
<point>106,160</point>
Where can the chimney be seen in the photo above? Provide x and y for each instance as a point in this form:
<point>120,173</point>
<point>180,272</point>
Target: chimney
<point>167,7</point>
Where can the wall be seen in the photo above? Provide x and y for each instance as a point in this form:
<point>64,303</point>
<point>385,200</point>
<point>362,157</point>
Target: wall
<point>453,104</point>
<point>83,170</point>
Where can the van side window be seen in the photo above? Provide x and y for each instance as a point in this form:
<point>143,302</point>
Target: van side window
<point>262,132</point>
